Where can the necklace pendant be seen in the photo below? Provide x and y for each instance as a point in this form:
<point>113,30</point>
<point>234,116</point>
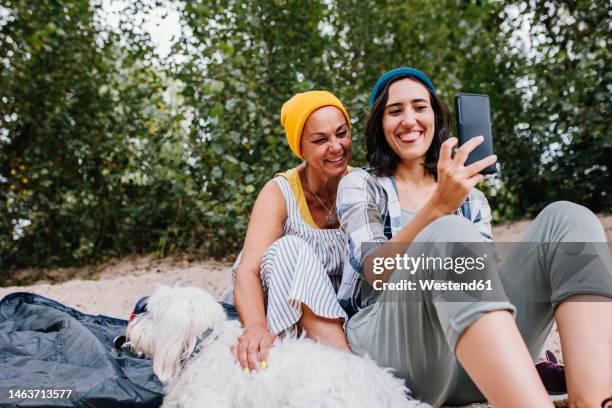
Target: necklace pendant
<point>330,220</point>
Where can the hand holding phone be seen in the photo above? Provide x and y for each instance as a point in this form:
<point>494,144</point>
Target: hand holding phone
<point>473,114</point>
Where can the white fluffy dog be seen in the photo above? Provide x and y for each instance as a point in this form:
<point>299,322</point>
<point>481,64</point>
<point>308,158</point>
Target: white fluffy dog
<point>186,333</point>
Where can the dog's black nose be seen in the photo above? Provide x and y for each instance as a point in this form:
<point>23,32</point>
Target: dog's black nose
<point>118,342</point>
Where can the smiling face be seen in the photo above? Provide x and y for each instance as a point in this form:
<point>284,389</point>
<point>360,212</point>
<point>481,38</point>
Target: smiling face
<point>408,120</point>
<point>326,141</point>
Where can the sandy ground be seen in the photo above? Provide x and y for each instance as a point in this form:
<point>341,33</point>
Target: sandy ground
<point>118,284</point>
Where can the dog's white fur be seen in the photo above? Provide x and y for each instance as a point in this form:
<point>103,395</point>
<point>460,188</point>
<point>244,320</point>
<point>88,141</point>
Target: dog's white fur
<point>301,372</point>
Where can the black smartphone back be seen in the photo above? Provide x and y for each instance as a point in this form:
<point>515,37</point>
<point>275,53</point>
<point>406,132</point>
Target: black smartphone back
<point>474,119</point>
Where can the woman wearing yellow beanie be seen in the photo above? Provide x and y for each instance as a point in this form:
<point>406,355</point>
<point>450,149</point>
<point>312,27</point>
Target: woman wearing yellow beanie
<point>290,267</point>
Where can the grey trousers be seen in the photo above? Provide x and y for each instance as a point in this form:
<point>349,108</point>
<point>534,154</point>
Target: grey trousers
<point>418,339</point>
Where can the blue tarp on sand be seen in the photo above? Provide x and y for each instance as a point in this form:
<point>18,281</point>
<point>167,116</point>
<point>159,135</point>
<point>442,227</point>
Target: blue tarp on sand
<point>45,345</point>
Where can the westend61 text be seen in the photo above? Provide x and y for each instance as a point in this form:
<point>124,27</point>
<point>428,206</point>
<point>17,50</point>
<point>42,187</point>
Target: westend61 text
<point>423,284</point>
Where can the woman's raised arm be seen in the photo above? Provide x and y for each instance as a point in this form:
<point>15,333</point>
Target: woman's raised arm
<point>455,180</point>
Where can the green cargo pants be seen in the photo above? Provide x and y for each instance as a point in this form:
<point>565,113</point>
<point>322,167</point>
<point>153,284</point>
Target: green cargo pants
<point>418,339</point>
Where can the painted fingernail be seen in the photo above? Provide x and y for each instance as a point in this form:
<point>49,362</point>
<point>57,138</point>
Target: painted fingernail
<point>263,364</point>
<point>246,370</point>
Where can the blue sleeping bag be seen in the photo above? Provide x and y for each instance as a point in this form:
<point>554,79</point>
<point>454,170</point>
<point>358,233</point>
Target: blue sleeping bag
<point>47,347</point>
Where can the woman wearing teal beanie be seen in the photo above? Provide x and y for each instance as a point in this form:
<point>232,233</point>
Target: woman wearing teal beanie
<point>458,347</point>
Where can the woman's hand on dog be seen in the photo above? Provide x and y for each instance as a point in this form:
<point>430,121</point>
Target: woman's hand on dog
<point>455,180</point>
<point>253,347</point>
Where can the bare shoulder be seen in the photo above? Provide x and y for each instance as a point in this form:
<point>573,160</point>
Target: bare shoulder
<point>271,202</point>
<point>271,192</point>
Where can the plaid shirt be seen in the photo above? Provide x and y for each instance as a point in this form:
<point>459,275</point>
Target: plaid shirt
<point>369,211</point>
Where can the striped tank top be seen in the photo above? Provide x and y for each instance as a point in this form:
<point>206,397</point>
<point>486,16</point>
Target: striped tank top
<point>328,246</point>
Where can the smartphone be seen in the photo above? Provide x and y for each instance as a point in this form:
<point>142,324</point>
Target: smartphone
<point>474,119</point>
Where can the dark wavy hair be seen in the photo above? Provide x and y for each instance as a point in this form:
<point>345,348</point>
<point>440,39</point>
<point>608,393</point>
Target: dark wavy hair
<point>381,158</point>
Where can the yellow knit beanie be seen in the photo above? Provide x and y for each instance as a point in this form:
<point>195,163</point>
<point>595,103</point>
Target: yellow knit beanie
<point>296,111</point>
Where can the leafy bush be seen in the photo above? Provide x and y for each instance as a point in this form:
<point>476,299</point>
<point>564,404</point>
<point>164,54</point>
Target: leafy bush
<point>106,149</point>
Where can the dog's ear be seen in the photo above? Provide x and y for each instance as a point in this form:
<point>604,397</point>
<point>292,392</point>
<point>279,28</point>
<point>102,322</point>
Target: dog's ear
<point>175,340</point>
<point>138,335</point>
<point>179,316</point>
<point>182,316</point>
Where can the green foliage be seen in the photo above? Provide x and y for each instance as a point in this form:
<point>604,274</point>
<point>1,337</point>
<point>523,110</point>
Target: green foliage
<point>91,157</point>
<point>106,149</point>
<point>559,146</point>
